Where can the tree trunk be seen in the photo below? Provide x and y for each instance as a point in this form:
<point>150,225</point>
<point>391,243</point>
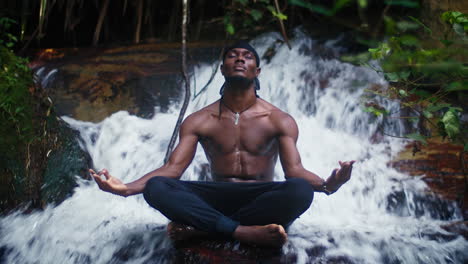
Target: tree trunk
<point>102,15</point>
<point>172,28</point>
<point>139,20</point>
<point>201,13</point>
<point>150,10</point>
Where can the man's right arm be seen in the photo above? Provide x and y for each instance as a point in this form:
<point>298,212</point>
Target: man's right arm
<point>179,160</point>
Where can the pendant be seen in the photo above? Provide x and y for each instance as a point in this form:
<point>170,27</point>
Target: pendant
<point>236,121</point>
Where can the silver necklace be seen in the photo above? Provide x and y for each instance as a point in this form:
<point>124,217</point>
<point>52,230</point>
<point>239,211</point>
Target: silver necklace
<point>237,114</point>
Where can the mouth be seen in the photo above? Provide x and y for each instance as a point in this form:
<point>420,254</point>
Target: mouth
<point>239,68</point>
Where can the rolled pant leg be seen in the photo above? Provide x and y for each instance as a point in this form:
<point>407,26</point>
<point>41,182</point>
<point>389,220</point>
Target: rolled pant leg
<point>178,203</point>
<point>282,204</point>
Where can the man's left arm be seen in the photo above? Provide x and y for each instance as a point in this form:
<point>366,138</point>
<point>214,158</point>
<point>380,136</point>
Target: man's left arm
<point>292,165</point>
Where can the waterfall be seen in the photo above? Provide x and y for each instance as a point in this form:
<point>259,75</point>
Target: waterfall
<point>379,216</point>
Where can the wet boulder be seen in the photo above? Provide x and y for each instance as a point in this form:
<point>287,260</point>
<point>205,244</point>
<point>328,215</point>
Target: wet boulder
<point>443,167</point>
<point>91,84</point>
<point>66,163</point>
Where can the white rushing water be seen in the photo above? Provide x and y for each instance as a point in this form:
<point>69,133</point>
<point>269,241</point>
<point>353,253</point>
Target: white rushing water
<point>379,216</point>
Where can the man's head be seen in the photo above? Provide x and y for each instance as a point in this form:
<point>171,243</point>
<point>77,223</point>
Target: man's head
<point>241,65</point>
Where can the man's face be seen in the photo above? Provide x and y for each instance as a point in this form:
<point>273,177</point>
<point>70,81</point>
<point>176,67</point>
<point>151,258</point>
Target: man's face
<point>240,63</point>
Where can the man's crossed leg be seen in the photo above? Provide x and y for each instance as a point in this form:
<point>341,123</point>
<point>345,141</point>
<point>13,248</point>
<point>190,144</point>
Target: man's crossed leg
<point>251,212</point>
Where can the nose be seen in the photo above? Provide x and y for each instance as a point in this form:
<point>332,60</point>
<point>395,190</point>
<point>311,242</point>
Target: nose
<point>240,58</point>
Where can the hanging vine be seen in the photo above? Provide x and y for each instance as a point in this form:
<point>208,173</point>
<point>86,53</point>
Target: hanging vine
<point>186,80</point>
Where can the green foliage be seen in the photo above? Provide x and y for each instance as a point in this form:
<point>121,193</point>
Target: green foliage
<point>375,109</point>
<point>22,131</point>
<point>456,18</point>
<point>6,38</point>
<point>15,102</point>
<point>244,15</point>
<point>457,86</point>
<point>362,3</point>
<point>15,99</point>
<point>404,3</point>
<point>422,78</point>
<point>320,9</point>
<point>451,123</point>
<point>403,55</point>
<point>229,26</point>
<point>417,137</point>
<point>459,22</point>
<point>256,14</point>
<point>278,15</point>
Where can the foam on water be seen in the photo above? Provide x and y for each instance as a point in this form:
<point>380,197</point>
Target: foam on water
<point>364,222</point>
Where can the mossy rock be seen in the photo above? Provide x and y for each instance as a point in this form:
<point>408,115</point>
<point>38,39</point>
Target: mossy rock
<point>65,163</point>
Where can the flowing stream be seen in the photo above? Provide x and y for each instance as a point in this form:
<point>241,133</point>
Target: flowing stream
<point>379,216</point>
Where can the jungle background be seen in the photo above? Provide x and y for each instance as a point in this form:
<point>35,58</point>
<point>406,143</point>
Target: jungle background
<point>421,47</point>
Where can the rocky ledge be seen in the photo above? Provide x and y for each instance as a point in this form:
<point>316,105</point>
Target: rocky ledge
<point>444,168</point>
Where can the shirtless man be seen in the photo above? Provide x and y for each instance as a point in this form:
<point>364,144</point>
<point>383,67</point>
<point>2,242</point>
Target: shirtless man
<point>242,136</point>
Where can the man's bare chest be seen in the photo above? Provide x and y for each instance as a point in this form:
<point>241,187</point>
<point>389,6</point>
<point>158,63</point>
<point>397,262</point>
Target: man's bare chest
<point>254,135</point>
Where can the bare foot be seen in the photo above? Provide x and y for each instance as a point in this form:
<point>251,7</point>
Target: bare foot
<point>179,232</point>
<point>268,235</point>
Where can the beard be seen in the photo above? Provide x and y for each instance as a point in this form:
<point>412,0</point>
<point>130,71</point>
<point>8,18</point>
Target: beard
<point>238,81</point>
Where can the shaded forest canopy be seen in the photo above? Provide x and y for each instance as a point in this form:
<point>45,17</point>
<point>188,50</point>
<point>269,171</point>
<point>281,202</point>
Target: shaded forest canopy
<point>77,23</point>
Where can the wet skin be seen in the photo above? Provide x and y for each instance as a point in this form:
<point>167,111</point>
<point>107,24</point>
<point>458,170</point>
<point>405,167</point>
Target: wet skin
<point>247,151</point>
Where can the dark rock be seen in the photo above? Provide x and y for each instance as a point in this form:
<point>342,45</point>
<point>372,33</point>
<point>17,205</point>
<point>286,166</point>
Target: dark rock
<point>216,251</point>
<point>441,164</point>
<point>141,243</point>
<point>444,168</point>
<point>65,162</point>
<point>429,204</point>
<point>4,251</point>
<point>460,227</point>
<point>91,84</point>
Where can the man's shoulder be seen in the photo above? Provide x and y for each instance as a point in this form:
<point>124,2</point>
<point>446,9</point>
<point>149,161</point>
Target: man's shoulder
<point>275,113</point>
<point>207,110</point>
<point>202,115</point>
<point>281,120</point>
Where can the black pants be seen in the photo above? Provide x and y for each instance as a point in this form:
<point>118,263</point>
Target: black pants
<point>221,206</point>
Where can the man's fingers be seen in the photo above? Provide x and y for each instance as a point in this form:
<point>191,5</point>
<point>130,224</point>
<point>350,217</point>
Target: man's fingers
<point>334,172</point>
<point>93,174</point>
<point>106,174</point>
<point>346,163</point>
<point>99,173</point>
<point>98,180</point>
<point>97,177</point>
<point>347,168</point>
<point>104,184</point>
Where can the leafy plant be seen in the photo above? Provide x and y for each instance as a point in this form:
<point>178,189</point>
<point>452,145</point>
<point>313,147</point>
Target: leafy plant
<point>6,38</point>
<point>321,9</point>
<point>244,15</point>
<point>16,112</point>
<point>458,20</point>
<point>15,101</point>
<point>24,115</point>
<point>423,79</point>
